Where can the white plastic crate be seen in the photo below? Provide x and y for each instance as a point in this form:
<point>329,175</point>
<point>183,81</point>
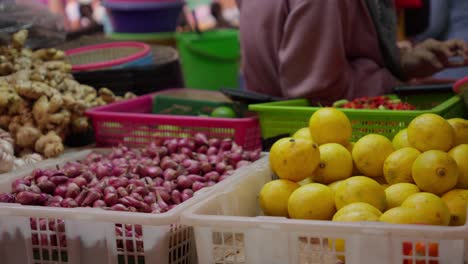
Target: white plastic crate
<point>229,228</point>
<point>45,235</point>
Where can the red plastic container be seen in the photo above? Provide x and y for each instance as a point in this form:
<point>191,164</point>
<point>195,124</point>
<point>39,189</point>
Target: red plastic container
<point>132,123</point>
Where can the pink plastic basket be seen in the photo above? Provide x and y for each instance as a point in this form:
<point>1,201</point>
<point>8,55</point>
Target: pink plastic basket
<point>106,55</point>
<point>132,123</point>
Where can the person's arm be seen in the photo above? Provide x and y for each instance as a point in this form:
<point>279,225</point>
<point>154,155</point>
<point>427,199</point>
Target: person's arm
<point>312,59</point>
<point>438,20</point>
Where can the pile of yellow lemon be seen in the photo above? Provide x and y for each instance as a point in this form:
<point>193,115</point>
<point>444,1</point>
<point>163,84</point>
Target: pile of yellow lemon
<point>419,177</point>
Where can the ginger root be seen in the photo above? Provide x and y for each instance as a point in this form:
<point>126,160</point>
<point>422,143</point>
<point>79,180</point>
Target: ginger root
<point>19,38</point>
<point>106,95</point>
<point>49,54</point>
<point>50,145</point>
<point>26,136</point>
<point>32,90</point>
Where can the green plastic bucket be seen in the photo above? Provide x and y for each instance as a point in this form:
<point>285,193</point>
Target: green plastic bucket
<point>210,60</point>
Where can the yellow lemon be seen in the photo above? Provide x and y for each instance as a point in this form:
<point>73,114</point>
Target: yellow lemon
<point>369,154</point>
<point>460,155</point>
<point>360,189</point>
<point>435,171</point>
<point>274,195</point>
<point>357,207</point>
<point>335,164</point>
<point>457,201</point>
<point>397,166</point>
<point>430,132</point>
<point>349,215</point>
<point>460,127</point>
<point>303,133</point>
<point>431,206</point>
<point>294,159</point>
<point>330,125</point>
<point>396,194</point>
<point>400,140</point>
<point>404,215</point>
<point>312,201</point>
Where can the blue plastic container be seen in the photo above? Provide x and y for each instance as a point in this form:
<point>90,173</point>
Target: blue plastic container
<point>142,17</point>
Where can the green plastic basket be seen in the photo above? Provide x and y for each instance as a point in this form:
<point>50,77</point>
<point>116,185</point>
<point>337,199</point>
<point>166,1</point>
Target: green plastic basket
<point>286,117</point>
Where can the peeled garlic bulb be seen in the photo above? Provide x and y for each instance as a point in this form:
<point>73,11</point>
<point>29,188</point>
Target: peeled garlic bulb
<point>7,162</point>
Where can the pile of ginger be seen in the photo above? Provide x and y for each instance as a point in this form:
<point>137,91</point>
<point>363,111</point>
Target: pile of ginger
<point>40,102</point>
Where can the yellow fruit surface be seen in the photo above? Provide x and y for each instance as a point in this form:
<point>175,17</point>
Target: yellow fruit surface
<point>431,206</point>
<point>357,207</point>
<point>396,194</point>
<point>330,125</point>
<point>360,189</point>
<point>335,164</point>
<point>457,202</point>
<point>460,155</point>
<point>400,140</point>
<point>274,196</point>
<point>397,166</point>
<point>370,152</point>
<point>430,132</point>
<point>460,127</point>
<point>303,133</point>
<point>404,215</point>
<point>435,171</point>
<point>294,159</point>
<point>313,201</point>
<point>334,186</point>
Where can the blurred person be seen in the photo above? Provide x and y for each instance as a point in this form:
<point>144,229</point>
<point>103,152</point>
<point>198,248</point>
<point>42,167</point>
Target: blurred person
<point>217,13</point>
<point>332,49</point>
<point>72,10</point>
<point>448,19</point>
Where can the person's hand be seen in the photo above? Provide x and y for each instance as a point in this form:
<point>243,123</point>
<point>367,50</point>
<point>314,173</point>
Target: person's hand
<point>432,56</point>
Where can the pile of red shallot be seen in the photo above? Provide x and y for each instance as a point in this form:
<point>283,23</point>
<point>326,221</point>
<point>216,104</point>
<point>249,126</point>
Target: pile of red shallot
<point>154,179</point>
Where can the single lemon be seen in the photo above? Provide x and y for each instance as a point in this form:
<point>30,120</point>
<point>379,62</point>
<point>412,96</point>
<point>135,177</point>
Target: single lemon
<point>404,215</point>
<point>312,201</point>
<point>335,164</point>
<point>435,171</point>
<point>369,154</point>
<point>330,125</point>
<point>303,133</point>
<point>274,195</point>
<point>357,207</point>
<point>430,132</point>
<point>294,159</point>
<point>397,166</point>
<point>360,189</point>
<point>350,216</point>
<point>460,127</point>
<point>460,155</point>
<point>431,206</point>
<point>400,140</point>
<point>396,194</point>
<point>457,201</point>
<point>334,186</point>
